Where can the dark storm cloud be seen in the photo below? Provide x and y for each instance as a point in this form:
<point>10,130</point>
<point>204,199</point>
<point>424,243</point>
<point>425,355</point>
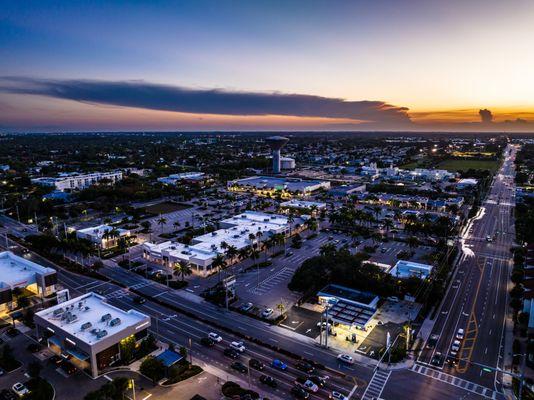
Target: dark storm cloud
<point>201,101</point>
<point>485,115</point>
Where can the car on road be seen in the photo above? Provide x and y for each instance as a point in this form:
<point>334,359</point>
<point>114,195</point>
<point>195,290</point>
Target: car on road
<point>289,254</point>
<point>318,380</point>
<point>299,392</point>
<point>460,334</point>
<point>256,364</point>
<point>268,380</point>
<point>278,364</point>
<point>206,341</point>
<point>246,307</point>
<point>267,312</point>
<point>20,389</point>
<point>305,367</point>
<point>215,337</point>
<point>307,384</point>
<point>437,359</point>
<point>345,358</point>
<point>239,366</point>
<point>231,353</point>
<point>489,238</point>
<point>139,300</point>
<point>431,343</point>
<point>455,347</point>
<point>239,346</point>
<point>337,396</point>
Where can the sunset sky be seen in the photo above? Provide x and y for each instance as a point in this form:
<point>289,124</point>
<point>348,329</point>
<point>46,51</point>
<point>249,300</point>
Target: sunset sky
<point>267,65</point>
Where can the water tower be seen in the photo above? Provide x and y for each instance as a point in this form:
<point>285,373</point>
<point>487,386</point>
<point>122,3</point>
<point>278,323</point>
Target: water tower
<point>276,143</point>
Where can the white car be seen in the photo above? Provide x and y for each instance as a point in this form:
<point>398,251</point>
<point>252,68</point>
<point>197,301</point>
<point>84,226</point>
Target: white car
<point>309,385</point>
<point>20,389</point>
<point>239,346</point>
<point>345,358</point>
<point>460,334</point>
<point>267,312</point>
<point>215,337</point>
<point>455,347</point>
<point>337,396</point>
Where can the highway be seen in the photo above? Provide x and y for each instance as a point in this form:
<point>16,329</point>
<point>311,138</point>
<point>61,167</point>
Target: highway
<point>476,300</point>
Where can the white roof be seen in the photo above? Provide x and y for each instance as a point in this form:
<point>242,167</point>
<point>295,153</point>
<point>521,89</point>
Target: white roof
<point>302,204</point>
<point>90,308</point>
<point>16,271</point>
<point>405,269</point>
<point>100,230</point>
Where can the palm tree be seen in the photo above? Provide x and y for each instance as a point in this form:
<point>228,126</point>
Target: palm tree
<point>267,244</point>
<point>161,222</point>
<point>244,253</point>
<point>219,263</point>
<point>290,220</point>
<point>183,268</point>
<point>280,307</point>
<point>231,252</point>
<point>412,242</point>
<point>388,224</point>
<point>176,225</point>
<point>327,249</point>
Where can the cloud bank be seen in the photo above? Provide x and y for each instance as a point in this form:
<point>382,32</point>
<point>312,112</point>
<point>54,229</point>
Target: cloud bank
<point>146,95</point>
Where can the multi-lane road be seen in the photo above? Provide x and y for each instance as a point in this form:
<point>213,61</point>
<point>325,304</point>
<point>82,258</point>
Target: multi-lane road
<point>477,298</point>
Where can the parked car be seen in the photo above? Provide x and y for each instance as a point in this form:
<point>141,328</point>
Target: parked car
<point>437,359</point>
<point>239,346</point>
<point>299,392</point>
<point>206,341</point>
<point>455,347</point>
<point>239,366</point>
<point>431,343</point>
<point>460,334</point>
<point>256,364</point>
<point>215,337</point>
<point>305,367</point>
<point>20,389</point>
<point>268,380</point>
<point>247,307</point>
<point>68,368</point>
<point>345,358</point>
<point>267,312</point>
<point>231,353</point>
<point>139,300</point>
<point>278,364</point>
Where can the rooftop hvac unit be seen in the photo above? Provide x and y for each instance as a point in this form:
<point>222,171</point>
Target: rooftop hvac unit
<point>86,326</point>
<point>80,304</point>
<point>105,317</point>
<point>115,322</point>
<point>265,219</point>
<point>94,331</point>
<point>87,308</point>
<point>71,318</point>
<point>58,311</point>
<point>101,334</point>
<point>213,233</point>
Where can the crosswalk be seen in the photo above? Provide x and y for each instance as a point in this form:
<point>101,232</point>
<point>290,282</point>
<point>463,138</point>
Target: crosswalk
<point>376,385</point>
<point>458,382</point>
<point>117,294</point>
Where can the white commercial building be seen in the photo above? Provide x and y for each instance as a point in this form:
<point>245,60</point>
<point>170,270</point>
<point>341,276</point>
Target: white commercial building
<point>104,236</point>
<point>269,185</point>
<point>287,163</point>
<point>88,332</point>
<point>408,269</point>
<point>203,249</point>
<point>184,176</point>
<point>303,205</point>
<point>18,272</point>
<point>432,175</point>
<point>74,181</point>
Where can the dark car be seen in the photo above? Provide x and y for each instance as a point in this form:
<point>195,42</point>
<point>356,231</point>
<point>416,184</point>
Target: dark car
<point>7,394</point>
<point>256,364</point>
<point>299,393</point>
<point>437,359</point>
<point>239,366</point>
<point>305,367</point>
<point>34,347</point>
<point>318,380</point>
<point>231,353</point>
<point>68,368</point>
<point>268,380</point>
<point>12,332</point>
<point>139,300</point>
<point>432,340</point>
<point>206,341</point>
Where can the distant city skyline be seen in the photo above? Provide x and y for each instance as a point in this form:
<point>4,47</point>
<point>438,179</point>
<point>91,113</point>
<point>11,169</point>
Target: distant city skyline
<point>267,65</point>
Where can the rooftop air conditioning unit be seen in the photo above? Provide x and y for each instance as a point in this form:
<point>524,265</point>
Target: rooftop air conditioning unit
<point>115,322</point>
<point>101,334</point>
<point>58,311</point>
<point>105,317</point>
<point>86,326</point>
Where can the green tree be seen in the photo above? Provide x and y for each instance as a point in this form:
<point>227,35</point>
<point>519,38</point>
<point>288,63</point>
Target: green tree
<point>152,368</point>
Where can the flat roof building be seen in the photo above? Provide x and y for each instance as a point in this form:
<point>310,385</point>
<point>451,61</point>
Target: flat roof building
<point>407,269</point>
<point>104,236</point>
<point>18,272</point>
<point>87,331</point>
<point>203,249</point>
<point>303,205</point>
<point>266,185</point>
<point>75,181</point>
<point>350,307</point>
